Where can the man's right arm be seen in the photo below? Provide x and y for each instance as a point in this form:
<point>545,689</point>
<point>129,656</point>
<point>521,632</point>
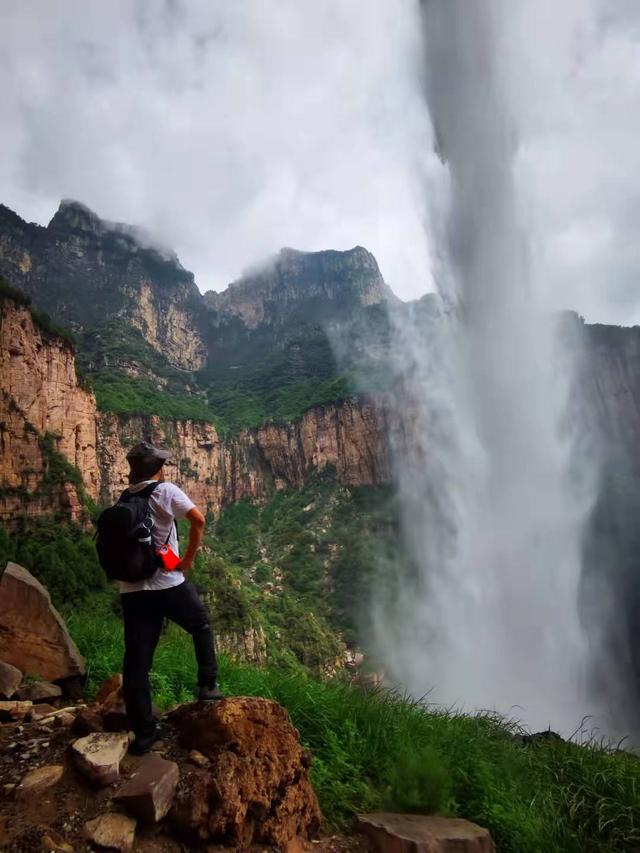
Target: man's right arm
<point>196,532</point>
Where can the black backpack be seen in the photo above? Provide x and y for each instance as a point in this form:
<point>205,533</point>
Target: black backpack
<point>123,540</point>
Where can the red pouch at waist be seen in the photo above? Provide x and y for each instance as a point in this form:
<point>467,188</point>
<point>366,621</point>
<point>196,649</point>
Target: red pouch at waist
<point>169,558</point>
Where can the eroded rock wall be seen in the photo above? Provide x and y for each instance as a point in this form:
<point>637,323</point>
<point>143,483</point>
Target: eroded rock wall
<point>43,408</point>
<point>40,396</point>
<point>348,437</point>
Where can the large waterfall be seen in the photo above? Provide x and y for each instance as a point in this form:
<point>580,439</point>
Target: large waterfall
<point>492,510</point>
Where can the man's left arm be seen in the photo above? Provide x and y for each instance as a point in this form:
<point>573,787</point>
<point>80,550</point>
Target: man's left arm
<point>196,532</point>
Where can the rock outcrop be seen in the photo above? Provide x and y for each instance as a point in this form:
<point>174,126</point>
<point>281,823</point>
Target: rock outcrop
<point>231,773</point>
<point>33,636</point>
<point>48,420</point>
<point>348,437</point>
<point>84,270</point>
<point>256,788</point>
<point>43,411</point>
<point>299,285</point>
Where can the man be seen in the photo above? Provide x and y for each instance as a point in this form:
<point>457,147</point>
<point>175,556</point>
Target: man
<point>166,594</point>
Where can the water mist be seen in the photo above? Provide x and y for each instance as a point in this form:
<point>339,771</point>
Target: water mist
<point>487,616</point>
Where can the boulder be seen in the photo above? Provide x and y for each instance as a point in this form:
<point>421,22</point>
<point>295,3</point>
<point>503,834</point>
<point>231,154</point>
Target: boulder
<point>149,793</point>
<point>39,691</point>
<point>408,833</point>
<point>37,781</point>
<point>98,756</point>
<point>10,680</point>
<point>33,636</point>
<point>11,710</point>
<point>111,831</point>
<point>256,788</point>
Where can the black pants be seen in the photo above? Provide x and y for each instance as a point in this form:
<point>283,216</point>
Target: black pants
<point>144,613</point>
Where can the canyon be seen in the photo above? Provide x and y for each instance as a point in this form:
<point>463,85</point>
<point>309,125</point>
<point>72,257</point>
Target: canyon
<point>42,397</point>
<point>296,326</point>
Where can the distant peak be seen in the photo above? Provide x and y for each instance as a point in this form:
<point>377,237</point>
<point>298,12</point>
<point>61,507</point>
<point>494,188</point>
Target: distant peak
<point>74,214</point>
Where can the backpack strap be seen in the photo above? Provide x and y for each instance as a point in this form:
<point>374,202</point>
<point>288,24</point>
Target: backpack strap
<point>143,493</point>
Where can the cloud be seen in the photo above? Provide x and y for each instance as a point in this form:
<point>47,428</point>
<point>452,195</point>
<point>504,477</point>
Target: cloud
<point>227,129</point>
<point>575,84</point>
<point>232,129</point>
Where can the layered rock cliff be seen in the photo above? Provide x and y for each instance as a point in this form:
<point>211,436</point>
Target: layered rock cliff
<point>349,438</point>
<point>44,413</point>
<point>47,418</point>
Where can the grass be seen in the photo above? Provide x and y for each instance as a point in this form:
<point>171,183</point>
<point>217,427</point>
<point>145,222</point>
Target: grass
<point>381,750</point>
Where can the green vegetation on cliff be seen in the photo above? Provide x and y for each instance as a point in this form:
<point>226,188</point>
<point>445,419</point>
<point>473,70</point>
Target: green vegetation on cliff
<point>298,570</point>
<point>47,326</point>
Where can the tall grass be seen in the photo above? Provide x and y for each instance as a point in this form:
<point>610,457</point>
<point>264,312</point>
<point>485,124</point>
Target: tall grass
<point>381,750</point>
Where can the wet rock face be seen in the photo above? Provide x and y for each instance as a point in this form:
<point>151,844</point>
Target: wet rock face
<point>33,636</point>
<point>256,788</point>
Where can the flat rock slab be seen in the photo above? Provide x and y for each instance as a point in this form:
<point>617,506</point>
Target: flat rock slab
<point>39,691</point>
<point>98,756</point>
<point>149,793</point>
<point>33,636</point>
<point>399,833</point>
<point>37,781</point>
<point>111,831</point>
<point>10,680</point>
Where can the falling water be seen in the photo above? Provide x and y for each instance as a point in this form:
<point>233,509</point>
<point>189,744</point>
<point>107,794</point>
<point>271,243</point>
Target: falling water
<point>487,618</point>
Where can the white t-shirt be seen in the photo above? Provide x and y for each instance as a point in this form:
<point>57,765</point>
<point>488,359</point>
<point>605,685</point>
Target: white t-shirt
<point>166,503</point>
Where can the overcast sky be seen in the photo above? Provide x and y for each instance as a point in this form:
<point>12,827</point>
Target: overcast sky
<point>231,128</point>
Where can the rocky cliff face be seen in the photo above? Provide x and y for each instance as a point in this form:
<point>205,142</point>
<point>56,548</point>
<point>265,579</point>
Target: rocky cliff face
<point>348,438</point>
<point>301,285</point>
<point>87,273</point>
<point>84,271</point>
<point>43,412</point>
<point>46,417</point>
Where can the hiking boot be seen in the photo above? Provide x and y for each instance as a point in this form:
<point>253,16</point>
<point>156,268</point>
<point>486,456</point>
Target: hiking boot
<point>141,744</point>
<point>210,694</point>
